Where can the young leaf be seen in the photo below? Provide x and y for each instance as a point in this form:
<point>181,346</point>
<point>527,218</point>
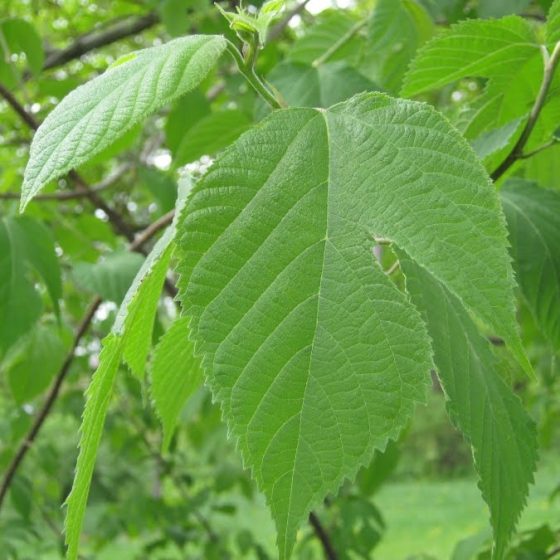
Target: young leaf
<point>97,113</point>
<point>532,217</point>
<point>316,357</point>
<point>483,407</point>
<point>176,374</point>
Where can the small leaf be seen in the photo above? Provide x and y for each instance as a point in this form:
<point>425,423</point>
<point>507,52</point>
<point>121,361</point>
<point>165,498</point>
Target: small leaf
<point>553,23</point>
<point>315,356</point>
<point>484,408</point>
<point>488,143</point>
<point>93,116</point>
<point>176,374</point>
<point>534,231</point>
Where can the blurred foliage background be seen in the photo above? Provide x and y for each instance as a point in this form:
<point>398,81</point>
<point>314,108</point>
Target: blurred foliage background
<point>417,500</point>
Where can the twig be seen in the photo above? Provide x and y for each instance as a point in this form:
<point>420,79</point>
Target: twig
<point>329,53</point>
<point>106,183</point>
<point>51,398</point>
<point>541,148</point>
<point>94,40</point>
<point>322,535</point>
<point>278,29</point>
<point>550,63</point>
<point>53,393</point>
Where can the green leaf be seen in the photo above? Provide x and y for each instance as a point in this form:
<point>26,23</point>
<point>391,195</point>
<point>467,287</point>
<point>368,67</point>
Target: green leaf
<point>331,25</point>
<point>553,23</point>
<point>489,49</point>
<point>483,407</point>
<point>532,217</point>
<point>129,340</point>
<point>161,185</point>
<point>396,29</point>
<point>25,246</point>
<point>210,135</point>
<point>505,52</point>
<point>98,396</point>
<point>500,8</point>
<point>492,142</point>
<point>19,36</point>
<point>31,364</point>
<point>308,86</point>
<point>93,116</point>
<point>184,113</point>
<point>315,356</point>
<point>111,276</point>
<point>38,246</point>
<point>176,374</point>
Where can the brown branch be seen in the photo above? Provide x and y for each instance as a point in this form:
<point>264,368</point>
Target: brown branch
<point>550,63</point>
<point>322,535</point>
<point>54,391</point>
<point>93,40</point>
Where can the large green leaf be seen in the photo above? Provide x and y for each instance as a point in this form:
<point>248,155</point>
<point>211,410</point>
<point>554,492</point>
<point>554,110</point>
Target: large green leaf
<point>553,23</point>
<point>533,220</point>
<point>93,116</point>
<point>484,408</point>
<point>129,340</point>
<point>316,357</point>
<point>176,374</point>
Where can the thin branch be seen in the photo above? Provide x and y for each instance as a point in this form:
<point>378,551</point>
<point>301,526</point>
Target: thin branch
<point>540,149</point>
<point>105,184</point>
<point>278,29</point>
<point>322,535</point>
<point>54,391</point>
<point>26,117</point>
<point>51,398</point>
<point>93,40</point>
<point>550,63</point>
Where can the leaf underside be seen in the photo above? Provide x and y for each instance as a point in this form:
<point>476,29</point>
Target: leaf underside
<point>315,356</point>
<point>94,115</point>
